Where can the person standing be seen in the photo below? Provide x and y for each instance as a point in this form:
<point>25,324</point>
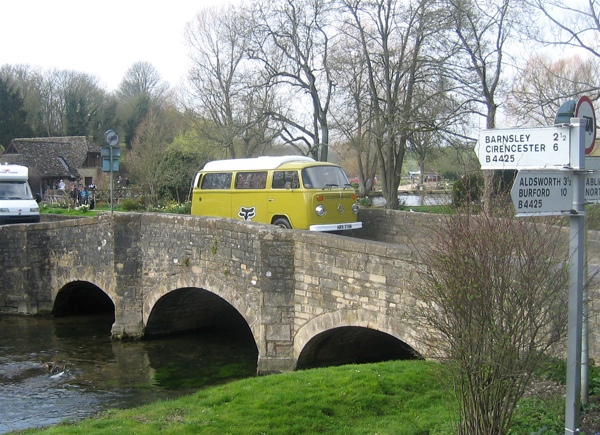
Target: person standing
<point>85,195</point>
<point>75,195</point>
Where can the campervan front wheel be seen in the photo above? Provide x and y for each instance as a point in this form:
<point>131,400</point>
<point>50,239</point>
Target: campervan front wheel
<point>282,223</point>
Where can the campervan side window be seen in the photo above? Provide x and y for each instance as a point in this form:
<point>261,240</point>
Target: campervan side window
<point>251,180</point>
<point>285,180</point>
<point>217,180</point>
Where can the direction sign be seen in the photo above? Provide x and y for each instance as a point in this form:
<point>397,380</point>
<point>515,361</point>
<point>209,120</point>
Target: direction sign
<point>542,192</point>
<point>591,191</point>
<point>550,192</point>
<point>517,148</point>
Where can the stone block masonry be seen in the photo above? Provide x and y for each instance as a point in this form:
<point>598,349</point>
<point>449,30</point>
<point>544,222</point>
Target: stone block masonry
<point>287,286</point>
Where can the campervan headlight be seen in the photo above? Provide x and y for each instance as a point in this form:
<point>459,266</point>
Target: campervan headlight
<point>34,209</point>
<point>320,210</point>
<point>4,210</point>
<point>355,208</point>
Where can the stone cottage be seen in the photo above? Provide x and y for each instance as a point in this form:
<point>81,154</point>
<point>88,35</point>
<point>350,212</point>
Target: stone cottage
<point>73,159</point>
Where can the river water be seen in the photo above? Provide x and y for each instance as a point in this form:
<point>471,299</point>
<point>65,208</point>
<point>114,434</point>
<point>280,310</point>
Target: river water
<point>56,369</point>
<point>412,200</point>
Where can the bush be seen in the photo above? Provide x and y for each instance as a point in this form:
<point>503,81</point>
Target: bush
<point>173,207</point>
<point>128,204</point>
<point>365,201</point>
<point>467,190</point>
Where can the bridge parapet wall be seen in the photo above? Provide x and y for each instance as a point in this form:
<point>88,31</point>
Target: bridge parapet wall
<point>38,259</point>
<point>395,226</point>
<point>288,285</point>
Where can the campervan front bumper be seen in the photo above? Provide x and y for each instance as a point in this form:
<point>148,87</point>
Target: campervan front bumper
<point>337,227</point>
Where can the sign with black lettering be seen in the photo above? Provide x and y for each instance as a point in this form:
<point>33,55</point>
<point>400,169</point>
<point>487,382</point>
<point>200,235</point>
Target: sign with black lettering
<point>550,192</point>
<point>542,147</point>
<point>591,190</point>
<point>542,192</point>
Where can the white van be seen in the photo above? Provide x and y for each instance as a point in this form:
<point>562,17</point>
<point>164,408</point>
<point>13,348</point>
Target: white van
<point>16,200</point>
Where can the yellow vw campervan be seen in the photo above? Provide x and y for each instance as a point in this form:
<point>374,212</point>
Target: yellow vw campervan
<point>288,191</point>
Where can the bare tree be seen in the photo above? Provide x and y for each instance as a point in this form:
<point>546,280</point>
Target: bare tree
<point>352,112</point>
<point>148,150</point>
<point>142,79</point>
<point>140,91</point>
<point>63,102</point>
<point>573,24</point>
<point>484,30</point>
<point>439,121</point>
<point>291,40</point>
<point>492,297</point>
<point>393,38</point>
<point>544,84</point>
<point>226,94</point>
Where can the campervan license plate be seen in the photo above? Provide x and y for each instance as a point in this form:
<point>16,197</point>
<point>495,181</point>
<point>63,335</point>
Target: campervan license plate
<point>344,227</point>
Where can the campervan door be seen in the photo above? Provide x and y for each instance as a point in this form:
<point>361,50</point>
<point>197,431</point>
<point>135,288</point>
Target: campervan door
<point>212,193</point>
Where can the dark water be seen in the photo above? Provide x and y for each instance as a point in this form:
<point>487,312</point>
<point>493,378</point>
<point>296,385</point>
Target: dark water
<point>56,369</point>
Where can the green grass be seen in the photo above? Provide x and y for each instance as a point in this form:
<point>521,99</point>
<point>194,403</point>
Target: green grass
<point>397,397</point>
<point>400,397</point>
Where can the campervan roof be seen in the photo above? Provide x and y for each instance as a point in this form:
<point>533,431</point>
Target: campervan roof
<point>257,163</point>
<point>13,172</point>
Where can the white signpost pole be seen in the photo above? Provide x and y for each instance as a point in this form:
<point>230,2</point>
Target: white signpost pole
<point>576,267</point>
<point>551,163</point>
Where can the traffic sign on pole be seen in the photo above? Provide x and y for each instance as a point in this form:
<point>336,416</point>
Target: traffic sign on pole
<point>549,192</point>
<point>585,110</point>
<point>591,191</point>
<point>518,148</point>
<point>542,192</point>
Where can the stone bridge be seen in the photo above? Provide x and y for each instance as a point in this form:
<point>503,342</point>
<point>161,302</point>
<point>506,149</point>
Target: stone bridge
<point>308,299</point>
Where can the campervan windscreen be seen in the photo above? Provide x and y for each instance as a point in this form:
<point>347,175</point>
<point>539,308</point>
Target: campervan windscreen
<point>324,177</point>
<point>15,190</point>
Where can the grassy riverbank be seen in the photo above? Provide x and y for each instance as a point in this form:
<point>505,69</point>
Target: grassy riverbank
<point>399,397</point>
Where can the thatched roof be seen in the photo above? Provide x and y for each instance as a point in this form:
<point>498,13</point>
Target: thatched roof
<point>51,156</point>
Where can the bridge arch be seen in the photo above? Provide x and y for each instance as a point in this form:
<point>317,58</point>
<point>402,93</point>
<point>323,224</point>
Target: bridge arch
<point>207,289</point>
<point>82,297</point>
<point>335,338</point>
<point>189,309</point>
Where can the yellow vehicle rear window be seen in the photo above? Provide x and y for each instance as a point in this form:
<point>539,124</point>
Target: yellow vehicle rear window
<point>217,180</point>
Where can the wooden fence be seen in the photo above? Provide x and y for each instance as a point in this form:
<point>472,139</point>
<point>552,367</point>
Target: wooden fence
<point>64,198</point>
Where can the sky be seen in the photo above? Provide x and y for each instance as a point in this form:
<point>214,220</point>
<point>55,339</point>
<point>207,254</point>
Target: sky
<point>103,38</point>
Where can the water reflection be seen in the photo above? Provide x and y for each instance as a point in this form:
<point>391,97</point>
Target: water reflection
<point>412,200</point>
<point>55,369</point>
<point>425,199</point>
